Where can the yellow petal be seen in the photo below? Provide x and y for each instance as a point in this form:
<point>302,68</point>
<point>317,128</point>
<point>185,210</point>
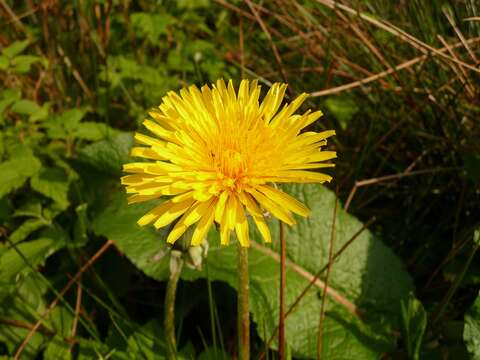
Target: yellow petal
<point>263,228</point>
<point>203,226</point>
<point>136,179</point>
<point>183,197</point>
<point>224,235</point>
<point>176,210</point>
<point>230,213</point>
<point>154,213</point>
<point>307,166</point>
<point>196,212</point>
<point>250,204</point>
<point>284,200</point>
<point>288,110</point>
<point>147,140</point>
<point>177,231</point>
<point>140,198</point>
<point>321,156</point>
<point>272,101</point>
<point>145,152</point>
<point>241,225</point>
<point>158,130</point>
<point>300,176</point>
<point>273,207</point>
<point>221,206</point>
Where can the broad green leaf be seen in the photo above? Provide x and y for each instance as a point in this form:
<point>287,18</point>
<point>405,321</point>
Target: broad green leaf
<point>31,208</point>
<point>368,271</point>
<point>343,108</point>
<point>41,114</point>
<point>66,123</point>
<point>147,343</point>
<point>415,324</point>
<point>71,118</point>
<point>17,170</point>
<point>151,26</point>
<point>367,275</point>
<point>108,155</point>
<point>471,331</point>
<point>54,184</point>
<point>3,63</point>
<point>22,256</point>
<point>57,349</point>
<point>25,107</point>
<point>144,246</point>
<point>91,349</point>
<point>93,131</point>
<point>8,97</point>
<point>15,48</point>
<point>28,227</point>
<point>23,63</point>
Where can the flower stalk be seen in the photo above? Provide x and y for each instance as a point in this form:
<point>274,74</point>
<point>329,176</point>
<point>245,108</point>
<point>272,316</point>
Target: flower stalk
<point>243,305</point>
<point>281,321</point>
<point>176,265</point>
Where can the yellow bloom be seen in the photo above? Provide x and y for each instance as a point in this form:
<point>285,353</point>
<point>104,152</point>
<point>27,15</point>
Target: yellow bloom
<point>217,155</point>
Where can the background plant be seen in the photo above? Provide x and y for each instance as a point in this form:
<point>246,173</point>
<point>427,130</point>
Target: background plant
<point>78,77</point>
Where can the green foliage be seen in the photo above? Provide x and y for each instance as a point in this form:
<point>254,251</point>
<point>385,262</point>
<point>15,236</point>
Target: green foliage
<point>18,169</point>
<point>54,184</point>
<point>151,26</point>
<point>343,108</point>
<point>23,257</point>
<point>12,60</point>
<point>415,324</point>
<point>79,77</point>
<point>471,332</point>
<point>108,155</point>
<point>144,246</point>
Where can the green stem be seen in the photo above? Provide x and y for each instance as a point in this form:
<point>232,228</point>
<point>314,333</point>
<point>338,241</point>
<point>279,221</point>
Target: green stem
<point>243,305</point>
<point>283,276</point>
<point>176,265</point>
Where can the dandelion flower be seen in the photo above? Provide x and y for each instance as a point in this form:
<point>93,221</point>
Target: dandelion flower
<point>215,155</point>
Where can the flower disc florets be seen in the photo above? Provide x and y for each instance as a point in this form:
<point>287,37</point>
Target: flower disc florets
<point>216,155</point>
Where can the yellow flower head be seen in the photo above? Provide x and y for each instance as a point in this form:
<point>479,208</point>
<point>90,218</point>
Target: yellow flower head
<point>216,155</point>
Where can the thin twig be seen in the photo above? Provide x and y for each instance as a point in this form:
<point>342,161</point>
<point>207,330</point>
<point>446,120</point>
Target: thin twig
<point>242,52</point>
<point>380,179</point>
<point>42,329</point>
<point>460,35</point>
<point>276,54</point>
<point>327,278</point>
<point>458,70</point>
<point>385,73</point>
<point>54,303</point>
<point>78,306</point>
<point>75,72</point>
<point>453,289</point>
<point>14,18</point>
<point>384,25</point>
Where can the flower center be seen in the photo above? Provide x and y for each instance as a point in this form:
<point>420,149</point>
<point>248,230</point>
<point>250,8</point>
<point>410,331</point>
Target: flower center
<point>231,166</point>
